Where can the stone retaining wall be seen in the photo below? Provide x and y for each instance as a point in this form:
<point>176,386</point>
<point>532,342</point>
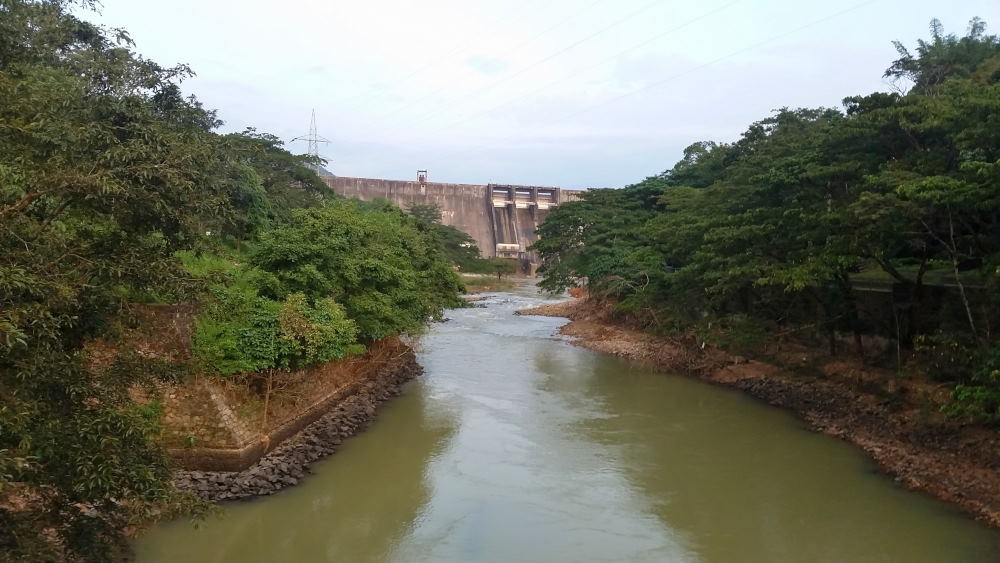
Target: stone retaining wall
<point>197,415</point>
<point>285,465</point>
<point>215,425</point>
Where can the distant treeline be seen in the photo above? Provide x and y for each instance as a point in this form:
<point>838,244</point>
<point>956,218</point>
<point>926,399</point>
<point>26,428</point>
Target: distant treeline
<point>115,188</point>
<point>810,211</point>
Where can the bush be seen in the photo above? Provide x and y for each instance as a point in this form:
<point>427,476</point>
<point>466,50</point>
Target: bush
<point>945,356</point>
<point>321,332</point>
<point>979,399</point>
<point>311,287</point>
<point>979,403</point>
<point>388,273</point>
<point>498,266</point>
<point>240,331</point>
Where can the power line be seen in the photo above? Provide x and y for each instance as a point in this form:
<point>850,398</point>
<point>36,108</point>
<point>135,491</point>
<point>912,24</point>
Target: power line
<point>511,50</point>
<point>432,63</point>
<point>543,60</point>
<point>717,60</point>
<point>670,78</point>
<point>602,62</point>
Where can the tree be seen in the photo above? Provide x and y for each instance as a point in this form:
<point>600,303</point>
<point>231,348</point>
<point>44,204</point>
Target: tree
<point>289,181</point>
<point>109,180</point>
<point>776,227</point>
<point>388,273</point>
<point>503,266</point>
<point>426,212</point>
<point>583,239</point>
<point>460,248</point>
<point>105,170</point>
<point>944,56</point>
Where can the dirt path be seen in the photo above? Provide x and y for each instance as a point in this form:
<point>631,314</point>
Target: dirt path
<point>956,463</point>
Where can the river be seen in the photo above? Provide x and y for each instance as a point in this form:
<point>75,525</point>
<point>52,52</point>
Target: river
<point>517,446</point>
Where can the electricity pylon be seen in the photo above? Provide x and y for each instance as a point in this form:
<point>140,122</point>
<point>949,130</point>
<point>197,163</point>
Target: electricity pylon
<point>313,139</point>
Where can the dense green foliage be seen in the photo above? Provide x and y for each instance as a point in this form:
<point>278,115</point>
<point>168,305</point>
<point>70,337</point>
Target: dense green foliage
<point>459,247</point>
<point>114,188</point>
<point>350,272</point>
<point>103,168</point>
<point>390,274</point>
<point>242,332</point>
<point>780,229</point>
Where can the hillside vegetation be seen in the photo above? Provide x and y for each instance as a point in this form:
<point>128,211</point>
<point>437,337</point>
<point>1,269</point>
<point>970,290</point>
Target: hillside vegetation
<point>880,219</point>
<point>116,188</point>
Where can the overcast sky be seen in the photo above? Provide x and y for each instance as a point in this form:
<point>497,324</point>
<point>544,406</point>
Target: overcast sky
<point>571,93</point>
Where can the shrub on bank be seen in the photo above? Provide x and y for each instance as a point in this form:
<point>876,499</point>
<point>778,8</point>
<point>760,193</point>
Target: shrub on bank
<point>311,287</point>
<point>390,275</point>
<point>240,331</point>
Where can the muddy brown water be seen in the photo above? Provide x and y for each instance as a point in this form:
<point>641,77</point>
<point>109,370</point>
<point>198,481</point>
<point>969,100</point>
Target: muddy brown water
<point>517,446</point>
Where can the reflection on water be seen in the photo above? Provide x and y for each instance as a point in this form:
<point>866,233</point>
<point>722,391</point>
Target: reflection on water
<point>743,482</point>
<point>516,446</point>
<point>352,511</point>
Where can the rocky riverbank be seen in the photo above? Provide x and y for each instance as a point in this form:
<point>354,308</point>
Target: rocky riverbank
<point>289,463</point>
<point>895,423</point>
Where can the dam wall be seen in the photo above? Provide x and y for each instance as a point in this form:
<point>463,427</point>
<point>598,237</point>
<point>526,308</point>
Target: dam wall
<point>501,218</point>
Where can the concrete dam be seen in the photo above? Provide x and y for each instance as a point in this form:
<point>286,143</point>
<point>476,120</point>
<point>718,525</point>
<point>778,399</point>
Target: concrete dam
<point>501,218</point>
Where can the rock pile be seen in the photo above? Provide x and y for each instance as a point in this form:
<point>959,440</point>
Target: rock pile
<point>289,463</point>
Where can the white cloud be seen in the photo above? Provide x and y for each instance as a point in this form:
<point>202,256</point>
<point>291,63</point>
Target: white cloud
<point>530,92</point>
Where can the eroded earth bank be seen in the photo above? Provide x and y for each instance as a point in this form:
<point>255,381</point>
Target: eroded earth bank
<point>862,405</point>
<point>290,462</point>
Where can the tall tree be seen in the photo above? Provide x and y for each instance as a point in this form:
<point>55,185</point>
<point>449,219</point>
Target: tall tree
<point>105,170</point>
<point>777,226</point>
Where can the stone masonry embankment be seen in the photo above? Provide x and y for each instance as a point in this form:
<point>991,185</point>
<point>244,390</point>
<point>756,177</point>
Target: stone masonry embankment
<point>217,428</point>
<point>290,462</point>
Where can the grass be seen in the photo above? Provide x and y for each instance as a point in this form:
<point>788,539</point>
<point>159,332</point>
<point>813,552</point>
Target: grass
<point>480,283</point>
<point>223,267</point>
<point>205,265</point>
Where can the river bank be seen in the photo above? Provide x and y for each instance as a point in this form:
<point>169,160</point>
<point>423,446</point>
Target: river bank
<point>483,283</point>
<point>517,446</point>
<point>864,406</point>
<point>290,462</point>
